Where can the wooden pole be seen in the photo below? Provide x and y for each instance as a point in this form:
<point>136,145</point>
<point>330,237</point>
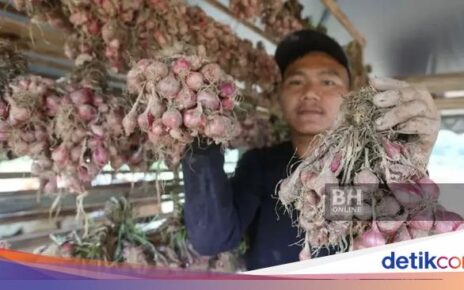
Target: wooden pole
<point>333,7</point>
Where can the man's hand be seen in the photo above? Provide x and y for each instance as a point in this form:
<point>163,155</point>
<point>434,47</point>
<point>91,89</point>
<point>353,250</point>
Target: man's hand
<point>413,112</point>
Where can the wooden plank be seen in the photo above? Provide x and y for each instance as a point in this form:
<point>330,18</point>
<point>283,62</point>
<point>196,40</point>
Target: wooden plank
<point>140,185</point>
<point>221,7</point>
<point>438,83</point>
<point>333,7</point>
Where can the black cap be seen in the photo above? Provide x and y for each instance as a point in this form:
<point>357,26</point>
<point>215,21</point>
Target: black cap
<point>301,42</point>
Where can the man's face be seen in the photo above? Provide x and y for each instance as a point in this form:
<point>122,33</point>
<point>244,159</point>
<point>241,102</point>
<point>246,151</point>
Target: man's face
<point>311,93</point>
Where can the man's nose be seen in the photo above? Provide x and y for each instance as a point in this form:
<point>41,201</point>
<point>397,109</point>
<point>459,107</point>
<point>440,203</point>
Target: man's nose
<point>310,93</point>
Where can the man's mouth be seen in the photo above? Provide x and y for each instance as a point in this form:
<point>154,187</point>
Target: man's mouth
<point>310,111</point>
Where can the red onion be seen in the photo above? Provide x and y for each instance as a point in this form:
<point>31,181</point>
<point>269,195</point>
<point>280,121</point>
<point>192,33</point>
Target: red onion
<point>365,212</point>
<point>21,148</point>
<point>129,123</point>
<point>168,87</point>
<point>194,81</point>
<point>212,72</point>
<point>227,90</point>
<point>421,221</point>
<point>4,136</point>
<point>76,153</point>
<point>228,104</point>
<point>307,178</point>
<point>407,194</point>
<point>52,103</point>
<point>172,118</point>
<point>81,96</point>
<point>157,69</point>
<point>100,156</point>
<point>208,99</point>
<point>305,254</point>
<point>179,135</point>
<point>393,150</point>
<point>336,161</point>
<point>156,107</point>
<point>103,108</point>
<point>145,120</point>
<point>27,136</point>
<point>3,110</point>
<point>217,127</point>
<point>86,112</point>
<point>186,98</point>
<point>37,148</point>
<point>50,186</point>
<point>446,221</point>
<point>84,174</point>
<point>66,100</point>
<point>402,234</point>
<point>367,180</point>
<point>390,226</point>
<point>134,85</point>
<point>388,206</point>
<point>4,126</point>
<point>370,238</point>
<point>158,128</point>
<point>416,233</point>
<point>193,119</point>
<point>181,66</point>
<point>60,155</point>
<point>18,115</point>
<point>430,189</point>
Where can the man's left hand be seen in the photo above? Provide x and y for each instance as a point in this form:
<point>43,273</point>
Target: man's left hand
<point>412,111</point>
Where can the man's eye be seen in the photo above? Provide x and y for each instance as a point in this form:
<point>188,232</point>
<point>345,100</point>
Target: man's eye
<point>328,83</point>
<point>294,82</point>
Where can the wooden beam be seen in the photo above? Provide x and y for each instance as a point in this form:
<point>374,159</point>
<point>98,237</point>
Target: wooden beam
<point>121,187</point>
<point>5,175</point>
<point>438,83</point>
<point>40,39</point>
<point>450,103</point>
<point>221,7</point>
<point>333,7</point>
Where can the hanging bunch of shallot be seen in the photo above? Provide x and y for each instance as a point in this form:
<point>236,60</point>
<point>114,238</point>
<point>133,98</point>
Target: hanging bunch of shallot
<point>179,98</point>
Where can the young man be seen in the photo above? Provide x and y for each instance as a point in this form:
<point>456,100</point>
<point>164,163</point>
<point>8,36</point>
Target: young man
<point>316,75</point>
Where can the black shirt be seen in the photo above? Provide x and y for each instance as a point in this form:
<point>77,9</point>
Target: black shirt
<point>219,211</point>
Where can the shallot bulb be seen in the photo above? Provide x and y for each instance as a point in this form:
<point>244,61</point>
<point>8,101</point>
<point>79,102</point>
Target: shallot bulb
<point>208,99</point>
<point>370,238</point>
<point>172,118</point>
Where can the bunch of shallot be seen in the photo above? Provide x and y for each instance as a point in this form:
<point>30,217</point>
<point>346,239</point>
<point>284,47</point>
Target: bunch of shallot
<point>399,201</point>
<point>179,98</point>
<point>120,32</point>
<point>279,17</point>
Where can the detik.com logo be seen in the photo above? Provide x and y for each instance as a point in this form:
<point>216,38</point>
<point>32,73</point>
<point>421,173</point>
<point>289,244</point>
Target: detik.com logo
<point>422,260</point>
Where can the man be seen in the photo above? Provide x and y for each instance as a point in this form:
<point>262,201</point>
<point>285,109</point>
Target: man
<point>316,75</point>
